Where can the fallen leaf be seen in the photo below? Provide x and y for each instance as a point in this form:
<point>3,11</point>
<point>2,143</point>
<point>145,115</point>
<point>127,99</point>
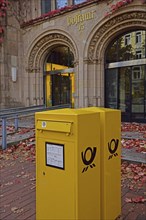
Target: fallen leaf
<point>139,199</point>
<point>16,210</point>
<point>128,200</point>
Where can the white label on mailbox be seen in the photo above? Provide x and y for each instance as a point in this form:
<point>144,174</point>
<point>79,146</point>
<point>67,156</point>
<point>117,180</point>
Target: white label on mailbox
<point>44,124</point>
<point>55,155</point>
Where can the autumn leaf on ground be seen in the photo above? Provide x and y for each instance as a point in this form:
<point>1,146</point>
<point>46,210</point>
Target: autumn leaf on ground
<point>135,174</point>
<point>16,210</point>
<point>138,145</point>
<point>138,199</point>
<point>126,126</point>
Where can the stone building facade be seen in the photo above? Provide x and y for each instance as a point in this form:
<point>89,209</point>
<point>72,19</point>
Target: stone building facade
<point>83,35</point>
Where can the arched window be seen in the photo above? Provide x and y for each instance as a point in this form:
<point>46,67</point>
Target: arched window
<point>125,75</point>
<point>61,55</point>
<point>129,46</point>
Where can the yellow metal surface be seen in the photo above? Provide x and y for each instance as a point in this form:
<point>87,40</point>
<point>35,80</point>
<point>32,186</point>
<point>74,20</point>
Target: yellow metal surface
<point>68,166</point>
<point>54,126</point>
<point>48,90</point>
<point>110,151</point>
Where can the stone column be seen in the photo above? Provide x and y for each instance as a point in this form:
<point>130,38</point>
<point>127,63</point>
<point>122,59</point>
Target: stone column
<point>76,96</point>
<point>85,85</point>
<point>34,88</point>
<point>39,87</point>
<point>27,88</point>
<point>95,72</point>
<point>100,83</point>
<point>81,83</point>
<point>31,82</point>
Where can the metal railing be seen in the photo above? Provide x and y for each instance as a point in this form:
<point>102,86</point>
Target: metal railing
<point>16,113</point>
<point>11,110</point>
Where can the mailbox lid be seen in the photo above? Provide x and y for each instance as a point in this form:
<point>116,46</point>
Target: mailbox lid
<point>58,126</point>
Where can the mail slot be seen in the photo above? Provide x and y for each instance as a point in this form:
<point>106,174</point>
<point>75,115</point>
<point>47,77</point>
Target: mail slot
<point>67,165</point>
<point>110,161</point>
<point>55,126</point>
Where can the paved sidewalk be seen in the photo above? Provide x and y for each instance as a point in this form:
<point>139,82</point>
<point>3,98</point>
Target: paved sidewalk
<point>133,137</point>
<point>17,189</point>
<point>17,178</point>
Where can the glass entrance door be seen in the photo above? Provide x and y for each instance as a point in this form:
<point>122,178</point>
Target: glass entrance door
<point>132,92</point>
<point>59,72</point>
<point>125,76</point>
<point>61,89</point>
<point>125,90</point>
<point>138,91</point>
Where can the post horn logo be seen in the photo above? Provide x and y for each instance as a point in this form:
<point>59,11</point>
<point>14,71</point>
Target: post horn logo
<point>88,162</point>
<point>112,147</point>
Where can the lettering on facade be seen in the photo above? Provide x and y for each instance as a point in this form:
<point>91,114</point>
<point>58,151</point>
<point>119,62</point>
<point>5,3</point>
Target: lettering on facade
<point>79,19</point>
<point>112,147</point>
<point>88,160</point>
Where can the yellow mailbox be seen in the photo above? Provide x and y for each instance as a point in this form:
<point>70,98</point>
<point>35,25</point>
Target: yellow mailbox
<point>110,161</point>
<point>67,165</point>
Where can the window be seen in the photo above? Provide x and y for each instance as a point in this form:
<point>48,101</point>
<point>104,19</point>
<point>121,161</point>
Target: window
<point>127,39</point>
<point>61,3</point>
<point>124,47</point>
<point>48,5</point>
<point>138,37</point>
<point>138,54</point>
<point>45,6</point>
<point>125,75</point>
<point>61,55</point>
<point>136,72</point>
<point>78,1</point>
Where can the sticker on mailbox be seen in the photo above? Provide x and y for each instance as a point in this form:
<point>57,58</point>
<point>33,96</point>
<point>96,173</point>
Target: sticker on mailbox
<point>44,124</point>
<point>55,155</point>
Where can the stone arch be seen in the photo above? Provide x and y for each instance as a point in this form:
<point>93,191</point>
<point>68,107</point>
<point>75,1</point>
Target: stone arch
<point>40,50</point>
<point>106,31</point>
<point>114,26</point>
<point>35,64</point>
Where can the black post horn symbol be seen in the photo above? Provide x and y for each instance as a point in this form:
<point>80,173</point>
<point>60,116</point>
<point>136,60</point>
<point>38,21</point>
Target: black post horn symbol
<point>113,150</point>
<point>90,160</point>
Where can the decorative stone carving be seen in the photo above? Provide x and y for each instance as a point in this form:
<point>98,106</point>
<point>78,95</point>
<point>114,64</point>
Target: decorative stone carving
<point>42,45</point>
<point>113,26</point>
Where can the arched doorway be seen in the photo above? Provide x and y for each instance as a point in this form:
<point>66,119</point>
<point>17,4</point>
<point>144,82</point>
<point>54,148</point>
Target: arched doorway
<point>125,75</point>
<point>38,59</point>
<point>59,77</point>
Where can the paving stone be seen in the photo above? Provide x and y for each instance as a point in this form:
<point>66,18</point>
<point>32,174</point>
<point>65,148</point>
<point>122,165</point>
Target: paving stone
<point>131,155</point>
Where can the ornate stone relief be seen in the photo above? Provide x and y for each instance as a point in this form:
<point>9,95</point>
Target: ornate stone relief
<point>112,26</point>
<point>42,45</point>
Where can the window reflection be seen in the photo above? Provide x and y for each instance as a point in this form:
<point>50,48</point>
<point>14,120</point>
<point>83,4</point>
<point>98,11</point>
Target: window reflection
<point>78,1</point>
<point>111,88</point>
<point>45,6</point>
<point>61,3</point>
<point>127,47</point>
<point>138,37</point>
<point>127,39</point>
<point>48,5</point>
<point>125,82</point>
<point>61,55</point>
